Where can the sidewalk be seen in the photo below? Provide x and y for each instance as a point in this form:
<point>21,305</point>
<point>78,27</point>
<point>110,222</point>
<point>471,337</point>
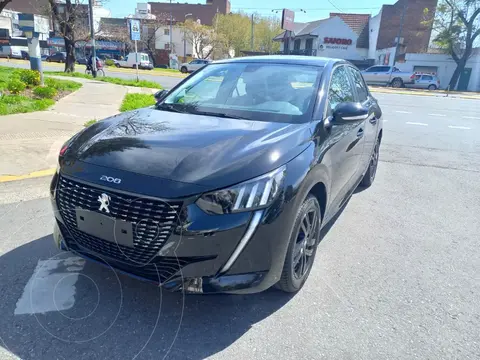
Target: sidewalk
<point>29,143</point>
<point>420,92</point>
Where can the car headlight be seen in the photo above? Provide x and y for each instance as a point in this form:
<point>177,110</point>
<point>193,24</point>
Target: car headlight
<point>250,195</point>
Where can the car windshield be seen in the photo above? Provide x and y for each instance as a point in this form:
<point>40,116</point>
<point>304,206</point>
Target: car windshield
<point>253,91</point>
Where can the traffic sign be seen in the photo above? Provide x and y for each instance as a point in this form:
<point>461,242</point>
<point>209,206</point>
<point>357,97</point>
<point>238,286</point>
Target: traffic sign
<point>135,29</point>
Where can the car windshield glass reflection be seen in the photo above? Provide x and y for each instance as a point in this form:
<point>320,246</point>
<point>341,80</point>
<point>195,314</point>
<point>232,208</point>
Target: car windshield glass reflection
<point>267,92</point>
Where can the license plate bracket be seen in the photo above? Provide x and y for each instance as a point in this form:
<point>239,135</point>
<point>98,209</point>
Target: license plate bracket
<point>104,227</point>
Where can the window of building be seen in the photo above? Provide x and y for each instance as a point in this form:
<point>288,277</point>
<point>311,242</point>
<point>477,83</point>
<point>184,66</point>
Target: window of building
<point>309,44</point>
<point>296,44</point>
<point>340,90</point>
<point>166,31</point>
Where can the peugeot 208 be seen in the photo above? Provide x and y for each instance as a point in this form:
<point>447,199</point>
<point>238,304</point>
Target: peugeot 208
<point>225,184</point>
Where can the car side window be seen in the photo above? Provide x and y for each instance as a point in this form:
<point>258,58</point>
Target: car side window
<point>340,90</point>
<point>427,77</point>
<point>372,69</point>
<point>360,86</point>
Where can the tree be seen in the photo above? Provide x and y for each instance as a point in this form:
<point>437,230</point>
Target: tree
<point>202,38</point>
<point>149,33</point>
<point>457,27</point>
<point>235,29</point>
<point>72,24</point>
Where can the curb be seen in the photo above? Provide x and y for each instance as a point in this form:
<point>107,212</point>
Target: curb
<point>32,175</point>
<point>414,93</point>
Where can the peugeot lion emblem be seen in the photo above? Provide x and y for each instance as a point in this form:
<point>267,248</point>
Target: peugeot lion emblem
<point>104,201</point>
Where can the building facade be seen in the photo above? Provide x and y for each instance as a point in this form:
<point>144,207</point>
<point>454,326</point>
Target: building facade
<point>205,12</point>
<point>342,36</point>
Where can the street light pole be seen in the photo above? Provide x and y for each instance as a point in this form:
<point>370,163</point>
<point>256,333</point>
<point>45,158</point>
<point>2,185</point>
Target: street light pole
<point>171,19</point>
<point>185,38</point>
<point>92,35</point>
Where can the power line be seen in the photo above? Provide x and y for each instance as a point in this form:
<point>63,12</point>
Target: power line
<point>335,6</point>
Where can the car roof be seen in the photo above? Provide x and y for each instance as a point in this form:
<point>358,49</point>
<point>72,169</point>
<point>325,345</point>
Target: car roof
<point>284,59</point>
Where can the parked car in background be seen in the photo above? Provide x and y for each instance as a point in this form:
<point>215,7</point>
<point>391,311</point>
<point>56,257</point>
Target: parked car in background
<point>387,76</point>
<point>25,55</point>
<point>131,60</point>
<point>193,65</point>
<point>82,61</point>
<point>425,81</point>
<point>59,57</point>
<point>225,185</point>
<point>12,52</point>
<point>44,57</point>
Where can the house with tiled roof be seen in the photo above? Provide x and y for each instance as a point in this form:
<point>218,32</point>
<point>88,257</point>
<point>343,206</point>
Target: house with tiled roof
<point>344,36</point>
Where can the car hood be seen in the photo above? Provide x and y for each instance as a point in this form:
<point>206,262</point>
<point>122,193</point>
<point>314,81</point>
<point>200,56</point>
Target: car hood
<point>197,149</point>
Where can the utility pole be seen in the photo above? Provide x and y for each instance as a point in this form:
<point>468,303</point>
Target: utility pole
<point>397,47</point>
<point>92,35</point>
<point>171,20</point>
<point>185,38</point>
<point>251,40</point>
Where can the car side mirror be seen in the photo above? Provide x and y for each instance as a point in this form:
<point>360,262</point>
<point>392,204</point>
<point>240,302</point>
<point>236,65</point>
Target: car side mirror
<point>349,111</point>
<point>159,95</point>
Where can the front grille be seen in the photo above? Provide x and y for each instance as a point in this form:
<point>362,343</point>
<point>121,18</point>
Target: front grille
<point>158,270</point>
<point>152,220</point>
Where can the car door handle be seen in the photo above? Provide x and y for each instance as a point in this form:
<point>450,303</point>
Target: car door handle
<point>373,120</point>
<point>360,133</point>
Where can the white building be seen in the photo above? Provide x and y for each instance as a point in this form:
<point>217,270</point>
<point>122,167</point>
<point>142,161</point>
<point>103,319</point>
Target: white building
<point>342,36</point>
<point>143,11</point>
<point>180,47</point>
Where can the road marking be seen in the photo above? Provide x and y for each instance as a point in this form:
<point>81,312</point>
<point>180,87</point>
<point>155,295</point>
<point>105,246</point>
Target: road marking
<point>403,112</point>
<point>471,117</point>
<point>51,287</point>
<point>416,123</point>
<point>35,174</point>
<point>441,115</point>
<point>459,127</point>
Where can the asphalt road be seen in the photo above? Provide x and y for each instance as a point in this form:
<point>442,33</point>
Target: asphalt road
<point>397,276</point>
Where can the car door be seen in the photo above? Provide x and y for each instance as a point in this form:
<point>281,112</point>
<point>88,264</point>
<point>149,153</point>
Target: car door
<point>193,65</point>
<point>370,125</point>
<point>384,75</point>
<point>347,138</point>
<point>425,81</point>
<point>369,74</point>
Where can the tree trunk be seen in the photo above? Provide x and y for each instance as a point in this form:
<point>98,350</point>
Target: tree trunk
<point>456,76</point>
<point>70,60</point>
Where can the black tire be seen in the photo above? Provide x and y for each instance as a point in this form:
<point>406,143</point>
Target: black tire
<point>432,87</point>
<point>397,83</point>
<point>117,65</point>
<point>369,177</point>
<point>301,250</point>
<point>184,70</point>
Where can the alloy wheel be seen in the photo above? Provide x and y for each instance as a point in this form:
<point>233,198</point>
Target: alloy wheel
<point>305,243</point>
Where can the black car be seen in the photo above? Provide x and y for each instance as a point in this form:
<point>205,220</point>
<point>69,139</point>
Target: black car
<point>59,57</point>
<point>223,185</point>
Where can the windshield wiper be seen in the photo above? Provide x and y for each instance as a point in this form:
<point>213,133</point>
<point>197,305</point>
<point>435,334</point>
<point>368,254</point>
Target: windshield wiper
<point>169,107</point>
<point>222,115</point>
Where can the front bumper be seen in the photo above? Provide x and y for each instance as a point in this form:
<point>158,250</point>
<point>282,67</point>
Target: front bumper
<point>236,253</point>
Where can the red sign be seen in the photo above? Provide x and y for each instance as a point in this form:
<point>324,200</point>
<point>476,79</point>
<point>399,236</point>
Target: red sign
<point>337,41</point>
<point>288,17</point>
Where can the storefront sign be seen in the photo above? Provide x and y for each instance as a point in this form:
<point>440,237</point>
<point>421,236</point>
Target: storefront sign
<point>337,41</point>
<point>288,18</point>
<point>100,44</point>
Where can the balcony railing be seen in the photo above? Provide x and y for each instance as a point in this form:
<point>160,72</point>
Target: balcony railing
<point>306,52</point>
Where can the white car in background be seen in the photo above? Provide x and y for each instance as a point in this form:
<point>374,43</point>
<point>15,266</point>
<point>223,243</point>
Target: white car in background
<point>193,65</point>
